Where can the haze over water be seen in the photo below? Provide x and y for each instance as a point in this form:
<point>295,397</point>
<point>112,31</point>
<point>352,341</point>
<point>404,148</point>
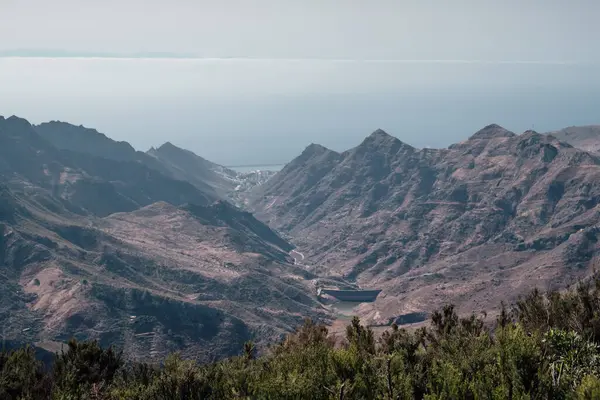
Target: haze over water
<point>257,89</point>
<point>259,112</point>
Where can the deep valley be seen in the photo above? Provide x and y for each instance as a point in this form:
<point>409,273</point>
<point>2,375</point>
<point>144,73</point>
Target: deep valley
<point>163,251</point>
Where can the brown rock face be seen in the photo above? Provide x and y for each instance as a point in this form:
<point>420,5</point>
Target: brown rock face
<point>476,223</point>
<point>200,280</point>
<point>111,249</point>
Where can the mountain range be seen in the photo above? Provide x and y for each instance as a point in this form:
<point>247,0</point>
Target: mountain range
<point>474,224</point>
<point>164,251</point>
<point>98,242</point>
<point>582,137</point>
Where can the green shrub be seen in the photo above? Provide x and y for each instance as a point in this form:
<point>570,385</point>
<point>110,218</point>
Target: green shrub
<point>85,367</point>
<point>589,389</point>
<point>22,376</point>
<point>545,348</point>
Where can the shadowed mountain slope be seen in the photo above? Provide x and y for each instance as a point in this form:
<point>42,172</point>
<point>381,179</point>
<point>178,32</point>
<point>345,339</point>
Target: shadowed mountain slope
<point>83,140</point>
<point>94,247</point>
<point>200,280</point>
<point>186,165</point>
<point>89,184</point>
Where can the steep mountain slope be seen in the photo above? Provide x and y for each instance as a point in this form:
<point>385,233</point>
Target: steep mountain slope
<point>214,180</point>
<point>94,247</point>
<point>478,222</point>
<point>84,183</point>
<point>197,279</point>
<point>83,140</point>
<point>583,137</point>
<point>66,136</point>
<point>186,165</point>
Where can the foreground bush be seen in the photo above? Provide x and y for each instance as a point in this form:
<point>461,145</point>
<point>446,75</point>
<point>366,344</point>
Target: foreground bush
<point>547,347</point>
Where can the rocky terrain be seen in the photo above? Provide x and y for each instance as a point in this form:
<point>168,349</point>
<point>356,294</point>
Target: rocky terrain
<point>227,184</point>
<point>186,165</point>
<point>146,251</point>
<point>93,246</point>
<point>583,137</point>
<point>479,222</point>
<point>167,159</point>
<point>171,161</point>
<point>81,182</point>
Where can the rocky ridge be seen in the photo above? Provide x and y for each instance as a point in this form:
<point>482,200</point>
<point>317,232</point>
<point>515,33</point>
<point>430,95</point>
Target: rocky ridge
<point>95,247</point>
<point>583,137</point>
<point>476,223</point>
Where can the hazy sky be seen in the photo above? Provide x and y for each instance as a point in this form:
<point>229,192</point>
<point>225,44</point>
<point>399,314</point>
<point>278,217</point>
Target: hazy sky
<point>256,81</point>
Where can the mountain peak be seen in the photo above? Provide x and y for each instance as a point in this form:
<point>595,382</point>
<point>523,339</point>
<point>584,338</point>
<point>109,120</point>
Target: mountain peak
<point>15,122</point>
<point>380,139</point>
<point>380,133</point>
<point>188,166</point>
<point>14,118</point>
<point>19,127</point>
<point>492,131</point>
<point>168,146</point>
<point>381,136</point>
<point>79,138</point>
<point>315,148</point>
<point>168,149</point>
<point>315,151</point>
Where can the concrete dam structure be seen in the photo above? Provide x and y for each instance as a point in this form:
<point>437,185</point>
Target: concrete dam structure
<point>358,296</point>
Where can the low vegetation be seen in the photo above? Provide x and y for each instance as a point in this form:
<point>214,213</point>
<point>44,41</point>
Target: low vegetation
<point>545,347</point>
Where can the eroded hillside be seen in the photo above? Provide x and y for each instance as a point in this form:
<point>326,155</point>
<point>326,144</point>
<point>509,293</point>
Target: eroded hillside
<point>99,248</point>
<point>474,224</point>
